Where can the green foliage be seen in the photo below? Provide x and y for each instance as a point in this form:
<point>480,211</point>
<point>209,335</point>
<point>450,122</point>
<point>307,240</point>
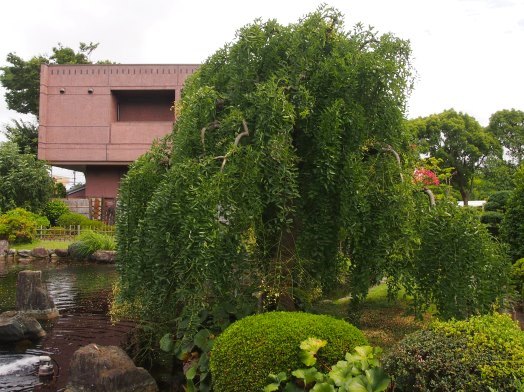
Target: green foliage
<point>54,209</point>
<point>25,182</point>
<point>60,190</point>
<point>360,371</point>
<point>250,349</point>
<point>497,201</point>
<point>517,277</point>
<point>461,143</point>
<point>19,225</point>
<point>428,361</point>
<point>88,242</point>
<point>513,225</point>
<point>278,169</point>
<point>24,134</point>
<point>508,127</point>
<point>474,355</point>
<point>492,219</point>
<point>68,218</point>
<point>195,356</point>
<point>457,267</point>
<point>495,175</point>
<point>21,78</point>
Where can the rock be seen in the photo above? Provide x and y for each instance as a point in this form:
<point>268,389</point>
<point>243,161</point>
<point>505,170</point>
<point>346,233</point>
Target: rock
<point>108,369</point>
<point>11,252</point>
<point>62,252</point>
<point>24,253</point>
<point>104,256</point>
<point>40,253</point>
<point>15,326</point>
<point>4,247</point>
<point>32,297</point>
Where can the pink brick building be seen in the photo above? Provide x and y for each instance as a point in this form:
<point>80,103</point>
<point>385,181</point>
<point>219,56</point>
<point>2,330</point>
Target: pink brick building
<point>99,118</point>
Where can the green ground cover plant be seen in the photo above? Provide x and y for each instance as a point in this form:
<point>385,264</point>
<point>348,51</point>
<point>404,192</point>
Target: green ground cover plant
<point>359,371</point>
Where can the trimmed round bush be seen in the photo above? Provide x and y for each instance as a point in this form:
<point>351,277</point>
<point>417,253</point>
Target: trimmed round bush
<point>497,201</point>
<point>250,349</point>
<point>472,355</point>
<point>492,219</point>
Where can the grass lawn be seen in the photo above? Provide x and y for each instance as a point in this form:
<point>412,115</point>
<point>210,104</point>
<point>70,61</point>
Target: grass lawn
<point>42,244</point>
<point>383,322</point>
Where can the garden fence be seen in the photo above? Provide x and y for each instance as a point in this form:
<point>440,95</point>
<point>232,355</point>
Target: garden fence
<point>70,232</point>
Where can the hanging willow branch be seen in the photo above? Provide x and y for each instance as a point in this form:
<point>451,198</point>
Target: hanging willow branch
<point>214,125</point>
<point>431,196</point>
<point>237,140</point>
<point>390,149</point>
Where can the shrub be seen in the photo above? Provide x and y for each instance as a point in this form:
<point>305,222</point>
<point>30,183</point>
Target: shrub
<point>360,371</point>
<point>517,277</point>
<point>497,201</point>
<point>251,348</point>
<point>458,267</point>
<point>19,225</point>
<point>492,220</point>
<point>89,242</point>
<point>72,219</point>
<point>512,228</point>
<point>492,217</point>
<point>481,354</point>
<point>54,209</point>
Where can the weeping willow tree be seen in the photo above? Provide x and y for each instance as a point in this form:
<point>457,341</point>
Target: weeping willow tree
<point>282,173</point>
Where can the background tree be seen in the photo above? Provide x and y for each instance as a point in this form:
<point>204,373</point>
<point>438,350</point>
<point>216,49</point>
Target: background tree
<point>460,142</point>
<point>24,134</point>
<point>280,166</point>
<point>513,224</point>
<point>24,181</point>
<point>508,128</point>
<point>21,78</point>
<point>495,175</point>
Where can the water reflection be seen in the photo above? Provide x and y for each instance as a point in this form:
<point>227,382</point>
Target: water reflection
<point>82,293</point>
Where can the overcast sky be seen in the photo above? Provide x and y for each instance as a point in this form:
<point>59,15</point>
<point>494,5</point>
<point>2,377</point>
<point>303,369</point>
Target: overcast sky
<point>468,54</point>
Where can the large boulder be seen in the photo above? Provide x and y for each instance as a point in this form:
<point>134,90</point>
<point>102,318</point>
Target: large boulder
<point>32,297</point>
<point>16,326</point>
<point>62,252</point>
<point>40,253</point>
<point>107,369</point>
<point>104,256</point>
<point>24,253</point>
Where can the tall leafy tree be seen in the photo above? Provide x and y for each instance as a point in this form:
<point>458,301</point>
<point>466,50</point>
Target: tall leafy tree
<point>24,134</point>
<point>24,181</point>
<point>280,170</point>
<point>460,141</point>
<point>508,128</point>
<point>21,78</point>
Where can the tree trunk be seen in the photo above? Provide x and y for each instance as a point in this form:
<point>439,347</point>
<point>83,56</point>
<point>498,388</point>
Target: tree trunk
<point>465,196</point>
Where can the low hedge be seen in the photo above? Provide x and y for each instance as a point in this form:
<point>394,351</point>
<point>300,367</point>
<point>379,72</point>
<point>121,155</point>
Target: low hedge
<point>483,353</point>
<point>250,349</point>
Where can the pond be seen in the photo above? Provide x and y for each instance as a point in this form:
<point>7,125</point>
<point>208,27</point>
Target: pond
<point>81,292</point>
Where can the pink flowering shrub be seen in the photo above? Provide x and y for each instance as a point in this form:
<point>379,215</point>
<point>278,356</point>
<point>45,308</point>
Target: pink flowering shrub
<point>425,177</point>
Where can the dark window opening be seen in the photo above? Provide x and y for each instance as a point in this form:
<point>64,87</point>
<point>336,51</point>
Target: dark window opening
<point>144,105</point>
